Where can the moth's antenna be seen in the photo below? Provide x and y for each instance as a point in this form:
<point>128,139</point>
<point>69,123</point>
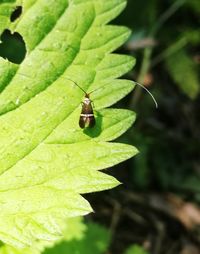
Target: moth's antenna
<point>138,85</point>
<point>75,84</point>
<point>21,74</point>
<point>147,92</point>
<point>97,89</point>
<point>102,87</point>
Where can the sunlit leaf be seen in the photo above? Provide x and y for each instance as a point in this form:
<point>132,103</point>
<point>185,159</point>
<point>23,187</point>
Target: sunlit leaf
<point>46,160</point>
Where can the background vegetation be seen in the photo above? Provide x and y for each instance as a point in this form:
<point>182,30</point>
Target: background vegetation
<point>165,42</point>
<point>157,206</point>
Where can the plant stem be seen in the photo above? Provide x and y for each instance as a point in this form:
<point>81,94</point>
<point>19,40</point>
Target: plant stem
<point>169,51</point>
<point>166,15</point>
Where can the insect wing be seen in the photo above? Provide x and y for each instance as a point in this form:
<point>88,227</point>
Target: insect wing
<point>87,121</point>
<point>91,121</point>
<point>82,121</point>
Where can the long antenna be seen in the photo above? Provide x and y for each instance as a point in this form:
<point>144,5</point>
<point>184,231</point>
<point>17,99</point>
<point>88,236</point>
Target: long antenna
<point>97,89</point>
<point>101,87</point>
<point>75,84</point>
<point>147,92</point>
<point>21,74</point>
<point>138,85</point>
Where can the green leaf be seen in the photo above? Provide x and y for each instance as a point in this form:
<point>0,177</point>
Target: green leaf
<point>184,72</point>
<point>46,160</point>
<point>135,249</point>
<point>6,9</point>
<point>7,249</point>
<point>96,240</point>
<point>75,230</point>
<point>7,70</point>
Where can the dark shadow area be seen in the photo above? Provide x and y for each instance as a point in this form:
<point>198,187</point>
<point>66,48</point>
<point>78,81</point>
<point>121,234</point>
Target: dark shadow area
<point>16,13</point>
<point>12,47</point>
<point>96,130</point>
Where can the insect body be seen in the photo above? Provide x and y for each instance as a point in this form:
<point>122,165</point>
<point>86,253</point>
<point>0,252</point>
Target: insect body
<point>87,118</point>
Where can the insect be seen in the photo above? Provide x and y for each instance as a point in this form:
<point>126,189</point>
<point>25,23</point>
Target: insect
<point>87,118</point>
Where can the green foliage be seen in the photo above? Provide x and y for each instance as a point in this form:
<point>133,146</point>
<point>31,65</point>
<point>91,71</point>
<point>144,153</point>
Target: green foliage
<point>46,160</point>
<point>194,4</point>
<point>77,238</point>
<point>184,72</point>
<point>96,240</point>
<point>168,137</point>
<point>6,9</point>
<point>135,249</point>
<point>7,249</point>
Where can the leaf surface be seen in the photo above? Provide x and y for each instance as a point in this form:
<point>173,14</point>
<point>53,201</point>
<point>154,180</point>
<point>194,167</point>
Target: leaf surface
<point>46,160</point>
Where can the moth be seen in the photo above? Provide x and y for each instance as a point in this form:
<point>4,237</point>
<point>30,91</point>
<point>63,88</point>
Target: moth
<point>87,118</point>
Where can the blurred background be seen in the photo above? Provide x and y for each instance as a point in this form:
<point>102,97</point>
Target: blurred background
<point>157,206</point>
<point>156,210</point>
